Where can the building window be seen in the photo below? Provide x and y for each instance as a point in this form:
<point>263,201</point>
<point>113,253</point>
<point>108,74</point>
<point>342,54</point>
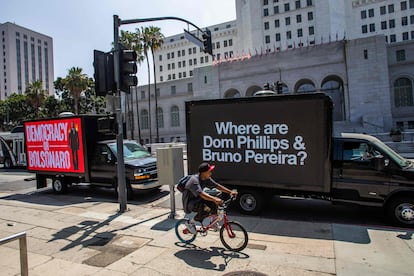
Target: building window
<point>277,37</point>
<point>160,117</point>
<point>364,29</point>
<point>276,9</point>
<point>309,3</point>
<point>175,116</point>
<point>168,56</point>
<point>391,24</point>
<point>391,8</point>
<point>371,12</point>
<point>365,54</point>
<point>383,25</point>
<point>267,39</point>
<point>300,33</point>
<point>403,92</point>
<point>173,90</point>
<point>310,16</point>
<point>297,4</point>
<point>266,27</point>
<point>289,35</point>
<point>311,30</point>
<point>403,5</point>
<point>265,2</point>
<point>142,94</point>
<point>400,55</point>
<point>299,18</point>
<point>161,78</point>
<point>383,10</point>
<point>405,36</point>
<point>411,19</point>
<point>404,21</point>
<point>230,42</point>
<point>411,4</point>
<point>160,57</point>
<point>265,12</point>
<point>372,27</point>
<point>287,7</point>
<point>287,21</point>
<point>363,14</point>
<point>393,38</point>
<point>144,119</point>
<point>205,79</point>
<point>277,23</point>
<point>218,44</point>
<point>190,87</point>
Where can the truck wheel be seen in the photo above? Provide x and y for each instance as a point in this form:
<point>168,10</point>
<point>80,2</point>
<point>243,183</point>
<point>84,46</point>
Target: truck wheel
<point>8,163</point>
<point>59,185</point>
<point>400,211</point>
<point>250,202</point>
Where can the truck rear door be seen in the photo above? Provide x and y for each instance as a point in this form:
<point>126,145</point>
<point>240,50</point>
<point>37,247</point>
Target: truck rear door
<point>355,178</point>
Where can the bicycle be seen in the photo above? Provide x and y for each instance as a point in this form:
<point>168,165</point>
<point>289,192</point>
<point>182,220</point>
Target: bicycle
<point>232,234</point>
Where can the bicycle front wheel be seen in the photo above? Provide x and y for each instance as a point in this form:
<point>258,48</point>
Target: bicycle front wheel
<point>234,236</point>
<point>182,232</point>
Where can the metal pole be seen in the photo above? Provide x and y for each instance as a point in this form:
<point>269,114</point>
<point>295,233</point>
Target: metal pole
<point>119,138</point>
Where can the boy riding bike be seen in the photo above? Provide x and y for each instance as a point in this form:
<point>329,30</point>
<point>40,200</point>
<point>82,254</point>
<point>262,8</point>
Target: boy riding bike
<point>196,200</point>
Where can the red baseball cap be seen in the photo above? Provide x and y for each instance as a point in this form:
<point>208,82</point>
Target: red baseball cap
<point>205,167</point>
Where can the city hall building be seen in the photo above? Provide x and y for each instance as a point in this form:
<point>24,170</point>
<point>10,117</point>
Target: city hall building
<point>361,53</point>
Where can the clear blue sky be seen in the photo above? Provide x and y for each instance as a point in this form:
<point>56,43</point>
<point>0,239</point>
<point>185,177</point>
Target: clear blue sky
<point>80,26</point>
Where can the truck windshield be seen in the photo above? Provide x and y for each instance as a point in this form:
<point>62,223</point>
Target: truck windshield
<point>132,150</point>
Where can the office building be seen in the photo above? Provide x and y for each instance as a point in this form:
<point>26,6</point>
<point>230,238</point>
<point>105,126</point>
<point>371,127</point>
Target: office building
<point>27,56</point>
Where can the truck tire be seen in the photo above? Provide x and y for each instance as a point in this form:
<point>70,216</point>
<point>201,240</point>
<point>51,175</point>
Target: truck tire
<point>400,211</point>
<point>59,185</point>
<point>250,202</point>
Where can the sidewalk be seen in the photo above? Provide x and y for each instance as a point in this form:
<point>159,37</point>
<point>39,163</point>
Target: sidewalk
<point>81,236</point>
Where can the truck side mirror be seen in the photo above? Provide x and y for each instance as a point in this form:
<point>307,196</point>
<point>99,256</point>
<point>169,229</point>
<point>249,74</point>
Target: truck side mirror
<point>380,162</point>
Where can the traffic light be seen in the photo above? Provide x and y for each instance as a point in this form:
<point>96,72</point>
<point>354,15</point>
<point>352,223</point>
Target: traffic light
<point>127,69</point>
<point>207,42</point>
<point>103,64</point>
<point>279,87</point>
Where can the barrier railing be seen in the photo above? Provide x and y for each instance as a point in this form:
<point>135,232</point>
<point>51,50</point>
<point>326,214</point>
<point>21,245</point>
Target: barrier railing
<point>24,269</point>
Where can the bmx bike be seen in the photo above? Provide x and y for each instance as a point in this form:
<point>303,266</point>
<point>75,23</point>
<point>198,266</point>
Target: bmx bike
<point>232,234</point>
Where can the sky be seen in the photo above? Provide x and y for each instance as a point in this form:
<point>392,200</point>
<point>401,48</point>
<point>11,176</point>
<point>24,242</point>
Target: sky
<point>78,27</point>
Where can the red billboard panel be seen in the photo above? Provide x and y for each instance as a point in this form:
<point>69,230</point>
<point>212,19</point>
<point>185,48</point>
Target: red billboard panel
<point>55,145</point>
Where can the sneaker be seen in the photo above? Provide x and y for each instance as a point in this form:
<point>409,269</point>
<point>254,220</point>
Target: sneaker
<point>191,226</point>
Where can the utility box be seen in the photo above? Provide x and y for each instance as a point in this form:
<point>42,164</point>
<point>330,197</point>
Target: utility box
<point>170,165</point>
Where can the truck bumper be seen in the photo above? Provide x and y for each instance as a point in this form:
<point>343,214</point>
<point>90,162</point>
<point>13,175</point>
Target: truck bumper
<point>146,185</point>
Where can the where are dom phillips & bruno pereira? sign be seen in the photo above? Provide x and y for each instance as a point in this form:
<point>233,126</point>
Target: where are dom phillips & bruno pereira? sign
<point>278,139</point>
<point>55,145</point>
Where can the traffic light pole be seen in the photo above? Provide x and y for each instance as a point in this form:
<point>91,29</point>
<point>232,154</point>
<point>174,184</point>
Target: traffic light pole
<point>122,189</point>
<point>122,193</point>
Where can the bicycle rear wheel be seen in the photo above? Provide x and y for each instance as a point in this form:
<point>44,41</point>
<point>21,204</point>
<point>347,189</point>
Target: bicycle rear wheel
<point>234,236</point>
<point>182,232</point>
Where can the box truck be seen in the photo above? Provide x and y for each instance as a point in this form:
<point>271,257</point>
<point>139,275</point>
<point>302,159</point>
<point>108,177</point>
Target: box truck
<point>283,145</point>
<point>83,149</point>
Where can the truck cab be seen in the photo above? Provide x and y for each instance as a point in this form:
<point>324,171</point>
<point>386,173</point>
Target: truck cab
<point>140,165</point>
<point>367,172</point>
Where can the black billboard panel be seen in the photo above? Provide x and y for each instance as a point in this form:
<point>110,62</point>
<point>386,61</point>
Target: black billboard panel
<point>276,141</point>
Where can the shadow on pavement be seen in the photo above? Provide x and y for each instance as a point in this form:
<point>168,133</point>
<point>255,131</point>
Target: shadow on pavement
<point>206,258</point>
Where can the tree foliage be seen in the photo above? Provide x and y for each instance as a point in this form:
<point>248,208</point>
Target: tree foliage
<point>36,103</point>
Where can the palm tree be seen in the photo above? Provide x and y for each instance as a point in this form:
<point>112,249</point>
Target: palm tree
<point>156,40</point>
<point>152,39</point>
<point>76,82</point>
<point>144,36</point>
<point>132,41</point>
<point>36,95</point>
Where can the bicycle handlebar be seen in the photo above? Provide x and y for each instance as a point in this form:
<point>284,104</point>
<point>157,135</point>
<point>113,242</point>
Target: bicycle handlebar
<point>227,202</point>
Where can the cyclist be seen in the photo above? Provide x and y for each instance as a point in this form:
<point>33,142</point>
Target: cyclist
<point>196,200</point>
